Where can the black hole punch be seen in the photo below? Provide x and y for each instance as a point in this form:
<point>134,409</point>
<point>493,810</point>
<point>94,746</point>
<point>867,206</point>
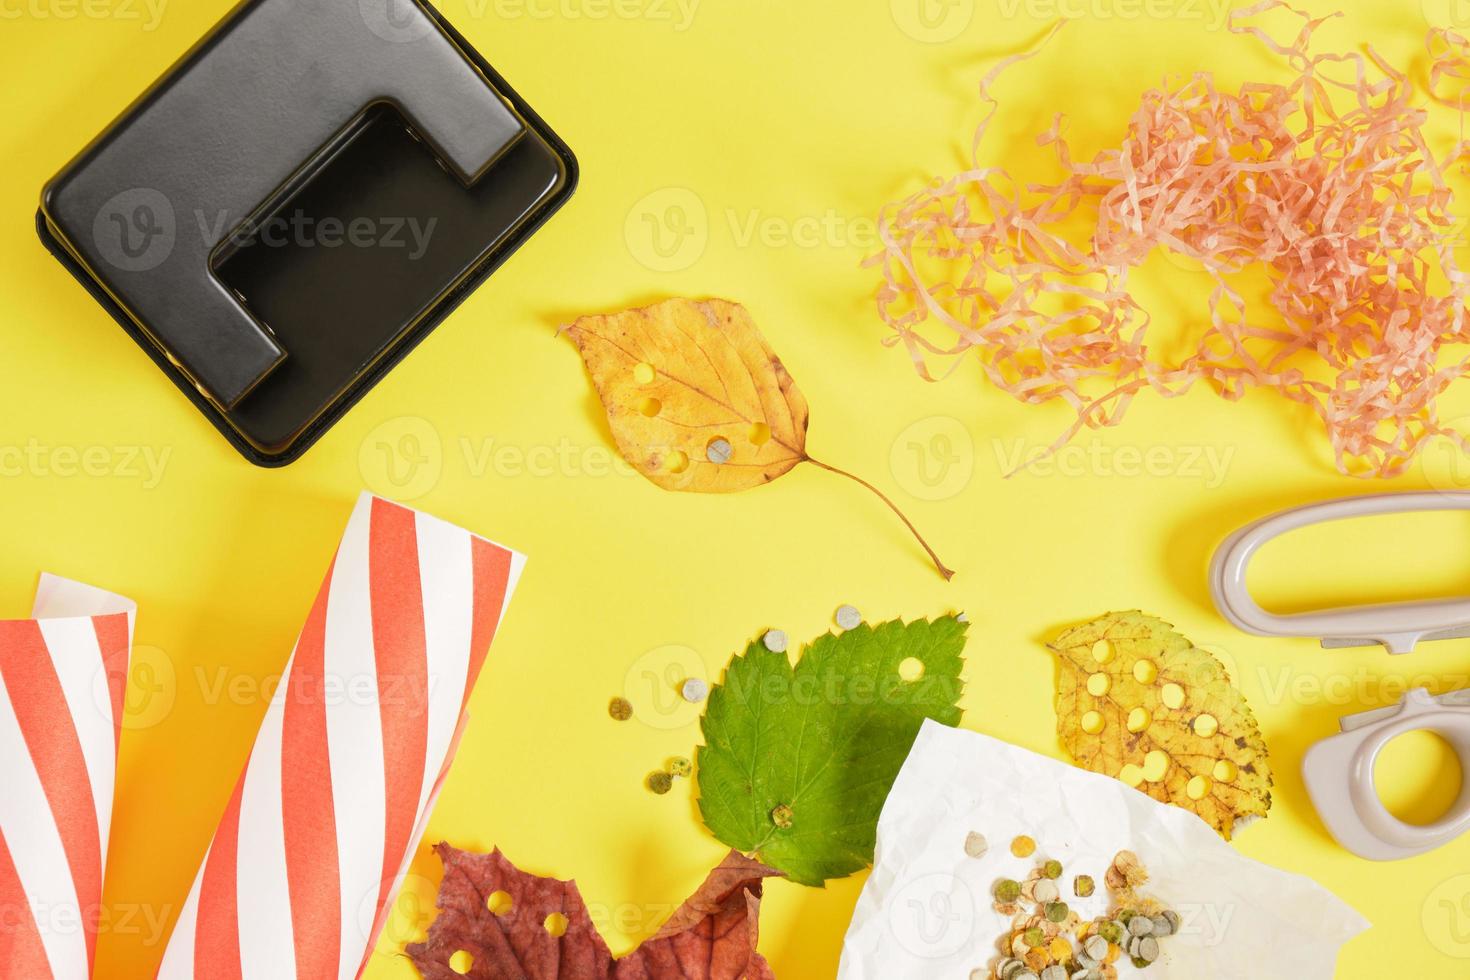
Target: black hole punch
<point>344,268</point>
<point>298,202</point>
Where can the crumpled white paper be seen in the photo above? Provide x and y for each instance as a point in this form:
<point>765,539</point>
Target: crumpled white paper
<point>926,912</point>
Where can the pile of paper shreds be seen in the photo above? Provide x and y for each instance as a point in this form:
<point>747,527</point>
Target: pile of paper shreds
<point>1326,182</point>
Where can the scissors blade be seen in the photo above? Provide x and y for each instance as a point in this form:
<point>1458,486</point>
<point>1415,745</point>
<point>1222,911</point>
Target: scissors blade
<point>1343,643</point>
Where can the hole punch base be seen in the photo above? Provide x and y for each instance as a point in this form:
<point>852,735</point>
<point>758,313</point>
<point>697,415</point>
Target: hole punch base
<point>276,307</point>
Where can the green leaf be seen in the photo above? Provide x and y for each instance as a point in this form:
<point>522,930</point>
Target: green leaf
<point>825,739</point>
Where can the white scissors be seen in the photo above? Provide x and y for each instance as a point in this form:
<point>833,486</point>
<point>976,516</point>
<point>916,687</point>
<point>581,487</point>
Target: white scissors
<point>1339,770</point>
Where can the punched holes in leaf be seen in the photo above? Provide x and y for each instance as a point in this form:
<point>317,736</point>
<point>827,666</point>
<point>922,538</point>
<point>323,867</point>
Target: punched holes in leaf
<point>500,903</point>
<point>911,669</point>
<point>676,461</point>
<point>650,407</point>
<point>1173,697</point>
<point>1159,707</point>
<point>760,434</point>
<point>706,339</point>
<point>644,374</point>
<point>461,962</point>
<point>556,925</point>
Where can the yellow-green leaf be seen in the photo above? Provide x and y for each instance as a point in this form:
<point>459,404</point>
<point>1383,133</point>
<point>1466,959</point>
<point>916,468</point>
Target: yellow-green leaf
<point>1140,702</point>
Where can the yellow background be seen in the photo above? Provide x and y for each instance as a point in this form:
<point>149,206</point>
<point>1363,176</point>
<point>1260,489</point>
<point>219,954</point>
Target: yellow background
<point>760,119</point>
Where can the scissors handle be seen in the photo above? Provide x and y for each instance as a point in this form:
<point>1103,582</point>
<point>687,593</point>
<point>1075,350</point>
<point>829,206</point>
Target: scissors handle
<point>1339,774</point>
<point>1398,625</point>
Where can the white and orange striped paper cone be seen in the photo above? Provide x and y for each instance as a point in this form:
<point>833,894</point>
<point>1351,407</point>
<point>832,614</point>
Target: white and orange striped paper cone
<point>62,678</point>
<point>316,839</point>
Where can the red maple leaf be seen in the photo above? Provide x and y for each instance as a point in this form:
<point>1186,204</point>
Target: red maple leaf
<point>712,936</point>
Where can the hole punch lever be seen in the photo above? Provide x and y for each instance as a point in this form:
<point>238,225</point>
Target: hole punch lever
<point>245,114</point>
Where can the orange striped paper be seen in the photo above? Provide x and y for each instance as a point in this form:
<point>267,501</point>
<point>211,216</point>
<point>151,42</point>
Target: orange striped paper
<point>317,836</point>
<point>62,676</point>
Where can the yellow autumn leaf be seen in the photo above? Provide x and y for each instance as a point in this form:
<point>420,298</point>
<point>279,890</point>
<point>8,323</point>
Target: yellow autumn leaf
<point>698,401</point>
<point>696,398</point>
<point>1139,702</point>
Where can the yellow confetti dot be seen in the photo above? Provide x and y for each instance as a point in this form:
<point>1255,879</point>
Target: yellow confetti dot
<point>1132,775</point>
<point>1099,685</point>
<point>1198,788</point>
<point>1092,722</point>
<point>1205,726</point>
<point>1102,651</point>
<point>1023,847</point>
<point>1139,719</point>
<point>644,374</point>
<point>1155,765</point>
<point>1173,696</point>
<point>1226,771</point>
<point>1145,671</point>
<point>1060,950</point>
<point>461,962</point>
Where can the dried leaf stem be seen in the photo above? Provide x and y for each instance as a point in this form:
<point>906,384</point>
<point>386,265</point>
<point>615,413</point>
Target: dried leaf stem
<point>948,573</point>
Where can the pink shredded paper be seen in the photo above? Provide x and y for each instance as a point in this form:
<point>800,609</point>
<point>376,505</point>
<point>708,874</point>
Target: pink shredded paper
<point>1327,183</point>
